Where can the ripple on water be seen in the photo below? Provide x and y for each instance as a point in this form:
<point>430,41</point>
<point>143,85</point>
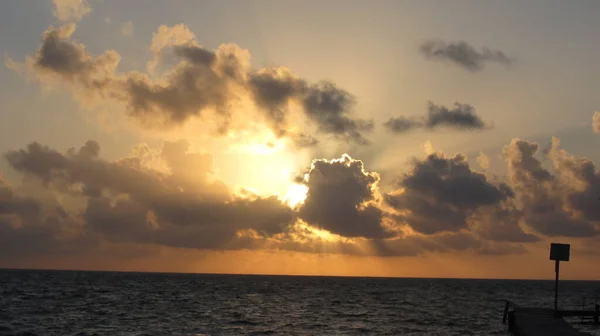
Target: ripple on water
<point>49,303</point>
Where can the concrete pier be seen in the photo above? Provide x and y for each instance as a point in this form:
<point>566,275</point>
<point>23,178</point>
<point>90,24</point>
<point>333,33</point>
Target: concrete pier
<point>539,321</point>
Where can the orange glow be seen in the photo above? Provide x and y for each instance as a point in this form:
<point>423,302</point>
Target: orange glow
<point>162,259</point>
<point>296,194</point>
<point>323,234</point>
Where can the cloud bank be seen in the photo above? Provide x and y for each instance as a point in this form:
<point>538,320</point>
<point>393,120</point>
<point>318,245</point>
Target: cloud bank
<point>172,197</point>
<point>201,83</point>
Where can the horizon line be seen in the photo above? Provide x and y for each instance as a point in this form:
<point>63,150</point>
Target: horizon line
<point>282,275</point>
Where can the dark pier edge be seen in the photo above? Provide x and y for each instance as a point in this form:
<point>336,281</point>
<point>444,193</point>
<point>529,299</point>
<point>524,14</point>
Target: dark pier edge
<point>532,321</point>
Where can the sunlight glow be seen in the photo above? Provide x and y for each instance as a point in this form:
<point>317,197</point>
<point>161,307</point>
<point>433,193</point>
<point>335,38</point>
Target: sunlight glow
<point>263,148</point>
<point>296,194</point>
<point>321,234</point>
<point>309,234</point>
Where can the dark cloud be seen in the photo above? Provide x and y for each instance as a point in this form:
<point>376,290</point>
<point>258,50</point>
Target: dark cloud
<point>443,194</point>
<point>187,92</point>
<point>32,227</point>
<point>330,107</point>
<point>302,140</point>
<point>416,245</point>
<point>446,242</point>
<point>502,224</point>
<point>60,58</point>
<point>462,54</point>
<point>462,117</point>
<point>272,89</point>
<point>201,82</point>
<point>581,181</point>
<point>15,205</point>
<point>327,105</point>
<point>554,205</point>
<point>127,201</point>
<point>342,199</point>
<point>171,198</point>
<point>196,54</point>
<point>403,124</point>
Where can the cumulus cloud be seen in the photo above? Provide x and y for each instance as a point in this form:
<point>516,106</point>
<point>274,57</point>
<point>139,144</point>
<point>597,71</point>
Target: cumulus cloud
<point>461,117</point>
<point>60,59</point>
<point>201,82</point>
<point>71,10</point>
<point>462,54</point>
<point>443,194</point>
<point>342,198</point>
<point>560,204</point>
<point>439,192</point>
<point>596,122</point>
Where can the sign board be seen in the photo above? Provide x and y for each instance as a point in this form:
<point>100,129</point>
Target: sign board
<point>559,252</point>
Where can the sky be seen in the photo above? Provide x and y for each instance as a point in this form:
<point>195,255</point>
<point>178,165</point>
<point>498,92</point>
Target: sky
<point>389,138</point>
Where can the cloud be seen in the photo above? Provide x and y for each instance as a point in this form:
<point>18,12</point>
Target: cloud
<point>302,140</point>
<point>342,198</point>
<point>71,10</point>
<point>428,147</point>
<point>61,60</point>
<point>483,161</point>
<point>442,194</point>
<point>127,29</point>
<point>462,54</point>
<point>201,83</point>
<point>403,124</point>
<point>130,202</point>
<point>33,227</point>
<point>502,223</point>
<point>596,122</point>
<point>171,197</point>
<point>445,242</point>
<point>327,105</point>
<point>461,117</point>
<point>562,204</point>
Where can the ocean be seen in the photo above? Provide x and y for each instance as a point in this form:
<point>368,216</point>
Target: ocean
<point>111,303</point>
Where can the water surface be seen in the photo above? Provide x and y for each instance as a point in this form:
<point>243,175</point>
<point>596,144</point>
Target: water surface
<point>109,303</point>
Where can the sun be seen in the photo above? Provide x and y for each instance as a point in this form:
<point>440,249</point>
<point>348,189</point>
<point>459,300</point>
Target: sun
<point>296,194</point>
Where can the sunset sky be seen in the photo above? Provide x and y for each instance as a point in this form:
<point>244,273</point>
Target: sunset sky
<point>384,138</point>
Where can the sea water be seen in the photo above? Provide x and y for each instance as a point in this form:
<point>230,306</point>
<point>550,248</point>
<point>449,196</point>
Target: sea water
<point>109,303</point>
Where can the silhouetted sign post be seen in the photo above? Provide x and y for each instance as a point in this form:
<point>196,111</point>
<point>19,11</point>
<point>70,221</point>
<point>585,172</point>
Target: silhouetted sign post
<point>558,253</point>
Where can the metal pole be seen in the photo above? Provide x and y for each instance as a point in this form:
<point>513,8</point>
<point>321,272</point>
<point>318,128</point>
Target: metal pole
<point>556,269</point>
